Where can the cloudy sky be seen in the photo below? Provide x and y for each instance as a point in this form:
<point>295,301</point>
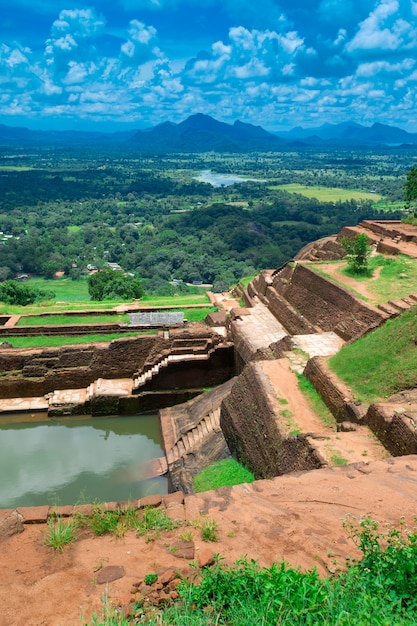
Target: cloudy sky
<point>114,64</point>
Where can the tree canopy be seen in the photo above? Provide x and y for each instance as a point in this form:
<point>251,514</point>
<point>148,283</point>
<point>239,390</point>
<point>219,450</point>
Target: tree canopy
<point>111,285</point>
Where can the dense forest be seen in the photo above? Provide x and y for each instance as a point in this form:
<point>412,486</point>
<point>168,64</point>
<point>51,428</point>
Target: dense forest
<point>70,210</point>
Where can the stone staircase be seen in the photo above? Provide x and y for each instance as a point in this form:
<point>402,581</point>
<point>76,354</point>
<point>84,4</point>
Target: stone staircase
<point>393,308</point>
<point>183,350</point>
<point>194,437</point>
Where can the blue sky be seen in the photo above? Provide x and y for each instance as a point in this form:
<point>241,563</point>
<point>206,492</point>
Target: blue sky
<point>115,64</point>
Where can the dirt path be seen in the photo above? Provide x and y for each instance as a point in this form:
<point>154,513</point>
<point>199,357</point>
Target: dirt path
<point>295,517</point>
<point>284,381</point>
<point>333,270</point>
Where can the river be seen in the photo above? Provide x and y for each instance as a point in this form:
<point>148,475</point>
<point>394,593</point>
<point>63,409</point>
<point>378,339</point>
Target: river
<point>223,180</point>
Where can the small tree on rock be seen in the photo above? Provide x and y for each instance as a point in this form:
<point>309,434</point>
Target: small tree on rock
<point>357,252</point>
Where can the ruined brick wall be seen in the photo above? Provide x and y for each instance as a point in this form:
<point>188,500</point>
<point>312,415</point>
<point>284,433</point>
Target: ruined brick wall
<point>36,372</point>
<point>251,425</point>
<point>293,321</point>
<point>327,305</point>
<point>397,432</point>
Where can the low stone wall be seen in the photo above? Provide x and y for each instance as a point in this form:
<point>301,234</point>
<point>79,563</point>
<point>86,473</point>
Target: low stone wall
<point>334,393</point>
<point>253,432</point>
<point>396,431</point>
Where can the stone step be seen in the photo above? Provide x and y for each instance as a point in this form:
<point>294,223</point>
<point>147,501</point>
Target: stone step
<point>385,308</point>
<point>399,304</point>
<point>11,405</point>
<point>409,301</point>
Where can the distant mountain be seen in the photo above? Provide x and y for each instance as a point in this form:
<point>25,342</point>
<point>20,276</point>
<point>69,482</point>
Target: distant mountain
<point>350,133</point>
<point>202,133</point>
<point>18,135</point>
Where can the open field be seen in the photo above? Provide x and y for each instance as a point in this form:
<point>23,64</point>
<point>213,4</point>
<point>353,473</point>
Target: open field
<point>73,295</point>
<point>328,194</point>
<point>65,289</point>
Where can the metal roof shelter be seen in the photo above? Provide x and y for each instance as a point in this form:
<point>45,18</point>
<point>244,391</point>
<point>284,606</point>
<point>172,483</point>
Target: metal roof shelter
<point>156,318</point>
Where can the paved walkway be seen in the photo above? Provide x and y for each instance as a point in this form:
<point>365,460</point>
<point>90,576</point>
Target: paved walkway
<point>261,328</point>
<point>323,344</point>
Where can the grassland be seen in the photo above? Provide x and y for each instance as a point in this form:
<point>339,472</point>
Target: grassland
<point>57,320</point>
<point>69,340</point>
<point>328,194</point>
<point>381,363</point>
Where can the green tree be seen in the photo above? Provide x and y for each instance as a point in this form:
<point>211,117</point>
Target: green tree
<point>111,285</point>
<point>410,187</point>
<point>12,292</point>
<point>357,252</point>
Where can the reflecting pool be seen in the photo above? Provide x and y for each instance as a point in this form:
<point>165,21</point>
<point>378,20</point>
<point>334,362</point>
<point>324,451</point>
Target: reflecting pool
<point>77,460</point>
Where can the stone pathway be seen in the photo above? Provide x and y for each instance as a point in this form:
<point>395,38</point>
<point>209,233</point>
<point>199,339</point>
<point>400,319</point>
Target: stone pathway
<point>323,344</point>
<point>260,327</point>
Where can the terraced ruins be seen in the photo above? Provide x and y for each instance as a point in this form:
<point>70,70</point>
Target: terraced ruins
<point>311,470</point>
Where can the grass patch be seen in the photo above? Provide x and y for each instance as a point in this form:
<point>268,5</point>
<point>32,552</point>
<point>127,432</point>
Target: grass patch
<point>315,401</point>
<point>70,340</point>
<point>381,363</point>
<point>209,530</point>
<point>195,298</point>
<point>246,280</point>
<point>396,279</point>
<point>227,472</point>
<point>60,533</point>
<point>198,315</point>
<point>57,320</point>
<point>328,194</point>
<point>155,520</point>
<point>102,522</point>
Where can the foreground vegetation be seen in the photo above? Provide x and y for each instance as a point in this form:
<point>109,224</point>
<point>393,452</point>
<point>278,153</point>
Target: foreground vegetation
<point>377,590</point>
<point>382,362</point>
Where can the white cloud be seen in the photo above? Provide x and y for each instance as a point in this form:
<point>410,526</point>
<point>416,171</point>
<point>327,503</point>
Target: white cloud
<point>370,70</point>
<point>380,31</point>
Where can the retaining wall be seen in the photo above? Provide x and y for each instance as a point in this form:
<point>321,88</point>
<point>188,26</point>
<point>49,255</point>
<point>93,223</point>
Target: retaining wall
<point>396,431</point>
<point>254,431</point>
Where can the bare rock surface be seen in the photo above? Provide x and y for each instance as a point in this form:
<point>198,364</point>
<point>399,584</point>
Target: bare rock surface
<point>297,517</point>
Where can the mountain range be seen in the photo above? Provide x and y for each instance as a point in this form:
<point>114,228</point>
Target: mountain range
<point>202,133</point>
